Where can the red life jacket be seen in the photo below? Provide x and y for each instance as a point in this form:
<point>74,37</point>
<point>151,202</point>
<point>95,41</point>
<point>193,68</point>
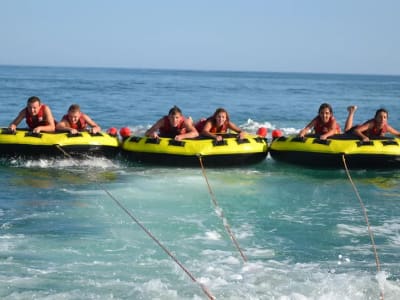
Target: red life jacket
<point>214,129</point>
<point>375,131</point>
<point>200,125</point>
<point>222,129</point>
<point>322,128</point>
<point>38,120</point>
<point>168,131</point>
<point>80,125</point>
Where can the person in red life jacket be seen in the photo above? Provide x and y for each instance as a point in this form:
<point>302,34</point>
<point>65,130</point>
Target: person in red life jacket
<point>218,123</point>
<point>376,127</point>
<point>76,121</point>
<point>174,125</point>
<point>324,124</point>
<point>38,117</point>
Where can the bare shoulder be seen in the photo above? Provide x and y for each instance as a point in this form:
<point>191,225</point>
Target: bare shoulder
<point>47,109</point>
<point>85,116</point>
<point>159,123</point>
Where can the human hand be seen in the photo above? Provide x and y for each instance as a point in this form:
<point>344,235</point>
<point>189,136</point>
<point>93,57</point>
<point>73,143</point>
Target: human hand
<point>12,127</point>
<point>95,130</point>
<point>36,130</point>
<point>154,135</point>
<point>323,137</point>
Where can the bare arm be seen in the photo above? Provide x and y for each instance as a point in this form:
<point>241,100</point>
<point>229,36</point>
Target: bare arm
<point>95,128</point>
<point>235,128</point>
<point>50,119</point>
<point>153,130</point>
<point>331,131</point>
<point>393,131</point>
<point>206,131</point>
<point>191,131</point>
<point>64,125</point>
<point>360,129</point>
<point>13,125</point>
<point>306,129</point>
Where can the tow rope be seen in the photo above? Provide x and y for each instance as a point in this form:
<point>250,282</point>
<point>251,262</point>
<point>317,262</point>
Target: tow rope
<point>371,235</point>
<point>220,212</point>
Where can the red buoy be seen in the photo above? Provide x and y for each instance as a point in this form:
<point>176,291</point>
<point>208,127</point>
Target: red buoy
<point>262,131</point>
<point>112,131</point>
<point>125,132</point>
<point>276,133</point>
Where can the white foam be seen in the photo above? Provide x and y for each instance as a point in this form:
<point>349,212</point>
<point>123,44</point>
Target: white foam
<point>158,287</point>
<point>351,230</point>
<point>62,163</point>
<point>212,235</point>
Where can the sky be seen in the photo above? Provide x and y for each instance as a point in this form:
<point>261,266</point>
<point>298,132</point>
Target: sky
<point>318,36</point>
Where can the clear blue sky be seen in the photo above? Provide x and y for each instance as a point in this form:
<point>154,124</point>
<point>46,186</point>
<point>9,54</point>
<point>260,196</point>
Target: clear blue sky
<point>337,36</point>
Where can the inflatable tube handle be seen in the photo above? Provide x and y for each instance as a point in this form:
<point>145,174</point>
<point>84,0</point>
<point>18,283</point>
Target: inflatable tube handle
<point>261,140</point>
<point>176,143</point>
<point>155,141</point>
<point>362,143</point>
<point>242,141</point>
<point>72,135</point>
<point>281,139</point>
<point>95,134</point>
<point>8,131</point>
<point>298,139</point>
<point>321,142</point>
<point>220,143</point>
<point>32,134</point>
<point>134,139</point>
<point>390,142</point>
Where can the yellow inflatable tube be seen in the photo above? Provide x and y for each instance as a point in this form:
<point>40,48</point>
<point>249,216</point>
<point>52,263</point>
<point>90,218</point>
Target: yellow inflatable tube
<point>231,151</point>
<point>313,152</point>
<point>25,143</point>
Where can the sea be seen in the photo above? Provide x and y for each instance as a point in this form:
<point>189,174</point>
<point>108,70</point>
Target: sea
<point>108,228</point>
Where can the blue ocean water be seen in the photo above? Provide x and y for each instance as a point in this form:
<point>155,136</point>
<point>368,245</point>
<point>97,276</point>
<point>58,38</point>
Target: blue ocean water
<point>62,236</point>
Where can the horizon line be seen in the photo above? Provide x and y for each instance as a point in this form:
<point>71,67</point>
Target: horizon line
<point>198,70</point>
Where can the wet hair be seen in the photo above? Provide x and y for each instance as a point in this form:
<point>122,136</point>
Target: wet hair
<point>325,105</point>
<point>380,111</point>
<point>174,110</point>
<point>74,108</point>
<point>33,99</point>
<point>218,111</point>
